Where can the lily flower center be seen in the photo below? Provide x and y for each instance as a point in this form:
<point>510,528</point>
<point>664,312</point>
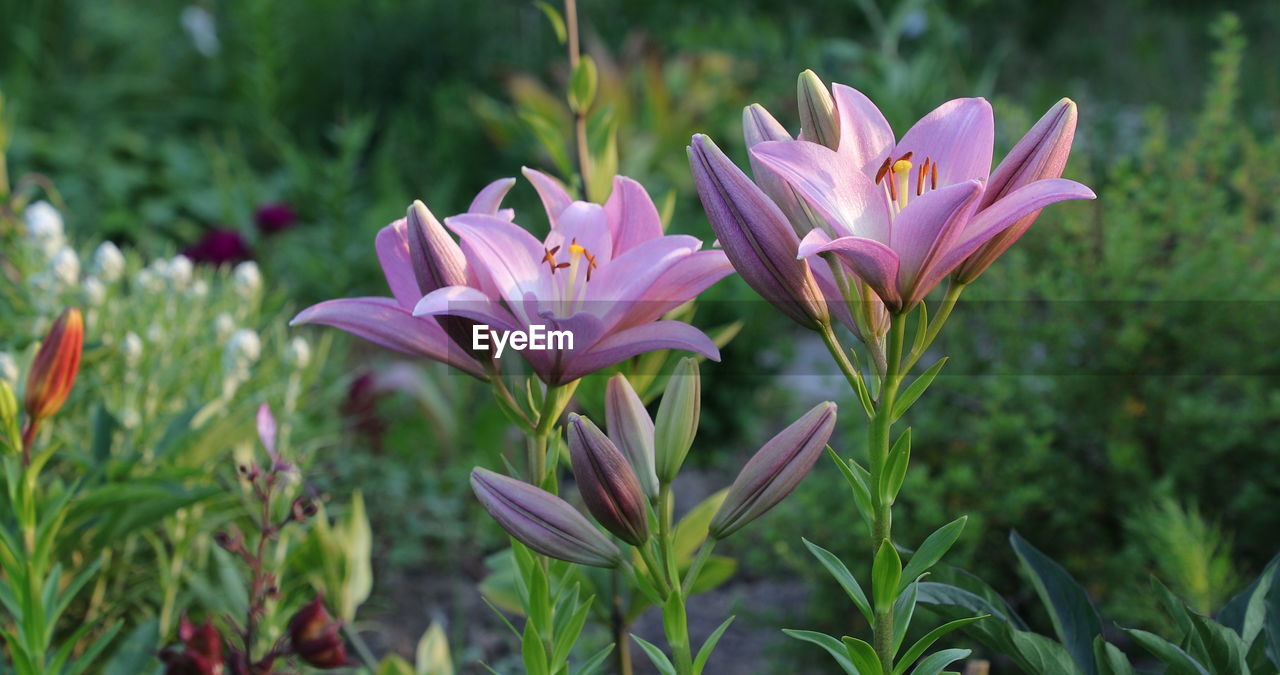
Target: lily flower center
<point>898,183</point>
<point>580,260</point>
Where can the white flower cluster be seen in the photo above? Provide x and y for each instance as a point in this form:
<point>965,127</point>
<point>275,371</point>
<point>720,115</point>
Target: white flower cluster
<point>247,279</point>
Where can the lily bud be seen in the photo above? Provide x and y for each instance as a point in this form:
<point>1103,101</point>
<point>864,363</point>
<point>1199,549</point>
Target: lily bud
<point>314,636</point>
<point>1041,153</point>
<point>438,261</point>
<point>677,421</point>
<point>542,521</point>
<point>607,483</point>
<point>775,470</point>
<point>54,369</point>
<point>632,430</point>
<point>818,121</point>
<point>756,235</point>
<point>758,126</point>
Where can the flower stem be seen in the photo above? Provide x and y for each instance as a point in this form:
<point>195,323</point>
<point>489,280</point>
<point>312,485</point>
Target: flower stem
<point>579,116</point>
<point>879,436</point>
<point>675,619</point>
<point>954,289</point>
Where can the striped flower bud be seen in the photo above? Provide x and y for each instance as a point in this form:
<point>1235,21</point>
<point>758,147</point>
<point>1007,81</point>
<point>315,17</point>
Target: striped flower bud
<point>54,369</point>
<point>775,470</point>
<point>756,236</point>
<point>631,430</point>
<point>542,521</point>
<point>818,122</point>
<point>677,421</point>
<point>316,638</point>
<point>608,485</point>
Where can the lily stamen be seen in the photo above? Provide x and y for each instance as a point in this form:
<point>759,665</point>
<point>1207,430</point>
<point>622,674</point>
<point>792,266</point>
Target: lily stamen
<point>902,172</point>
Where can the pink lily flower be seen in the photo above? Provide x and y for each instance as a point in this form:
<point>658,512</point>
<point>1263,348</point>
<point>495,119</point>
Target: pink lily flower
<point>390,322</point>
<point>606,274</point>
<point>903,215</point>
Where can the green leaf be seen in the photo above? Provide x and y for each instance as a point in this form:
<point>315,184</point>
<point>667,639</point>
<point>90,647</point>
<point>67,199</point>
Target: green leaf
<point>704,652</point>
<point>691,531</point>
<point>1173,606</point>
<point>432,657</point>
<point>833,646</point>
<point>1039,654</point>
<point>557,21</point>
<point>858,479</point>
<point>602,143</point>
<point>394,664</point>
<point>918,649</point>
<point>1109,659</point>
<point>886,572</point>
<point>934,547</point>
<point>1074,619</point>
<point>903,610</point>
<point>896,472</point>
<point>1223,650</point>
<point>917,387</point>
<point>136,651</point>
<point>843,576</point>
<point>1179,662</point>
<point>1246,613</point>
<point>567,635</point>
<point>659,660</point>
<point>533,651</point>
<point>715,571</point>
<point>582,85</point>
<point>862,655</point>
<point>935,662</point>
<point>596,662</point>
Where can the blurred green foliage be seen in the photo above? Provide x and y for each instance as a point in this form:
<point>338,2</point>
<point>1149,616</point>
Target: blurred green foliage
<point>1119,356</point>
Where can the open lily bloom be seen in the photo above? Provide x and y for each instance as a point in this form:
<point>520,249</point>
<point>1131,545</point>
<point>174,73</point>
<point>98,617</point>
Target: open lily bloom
<point>604,276</point>
<point>903,215</point>
<point>390,322</point>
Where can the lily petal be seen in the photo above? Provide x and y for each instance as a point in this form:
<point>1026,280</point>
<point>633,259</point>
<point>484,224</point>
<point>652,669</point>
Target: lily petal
<point>958,135</point>
<point>847,200</point>
<point>626,282</point>
<point>1002,223</point>
<point>392,245</point>
<point>682,281</point>
<point>638,340</point>
<point>865,136</point>
<point>489,200</point>
<point>503,253</point>
<point>873,262</point>
<point>468,303</point>
<point>633,219</point>
<point>585,224</point>
<point>554,197</point>
<point>1041,153</point>
<point>926,229</point>
<point>384,322</point>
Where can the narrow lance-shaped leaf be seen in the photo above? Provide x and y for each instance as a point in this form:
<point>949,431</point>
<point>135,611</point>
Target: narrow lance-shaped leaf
<point>1074,619</point>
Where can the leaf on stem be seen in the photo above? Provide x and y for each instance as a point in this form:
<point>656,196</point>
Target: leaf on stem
<point>704,652</point>
<point>1074,619</point>
<point>918,387</point>
<point>843,576</point>
<point>659,660</point>
<point>833,646</point>
<point>934,547</point>
<point>886,572</point>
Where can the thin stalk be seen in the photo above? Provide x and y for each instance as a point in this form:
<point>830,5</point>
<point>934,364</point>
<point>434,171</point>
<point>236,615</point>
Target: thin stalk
<point>954,289</point>
<point>695,568</point>
<point>579,116</point>
<point>617,617</point>
<point>675,615</point>
<point>837,352</point>
<point>362,648</point>
<point>29,439</point>
<point>879,436</point>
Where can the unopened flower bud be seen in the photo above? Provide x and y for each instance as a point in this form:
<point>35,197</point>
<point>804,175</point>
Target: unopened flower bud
<point>818,122</point>
<point>756,235</point>
<point>54,368</point>
<point>543,521</point>
<point>631,429</point>
<point>302,509</point>
<point>677,420</point>
<point>315,638</point>
<point>607,483</point>
<point>231,541</point>
<point>775,470</point>
<point>438,261</point>
<point>108,262</point>
<point>1041,153</point>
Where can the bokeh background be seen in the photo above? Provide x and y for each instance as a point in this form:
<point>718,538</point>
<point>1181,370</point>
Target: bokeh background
<point>1112,392</point>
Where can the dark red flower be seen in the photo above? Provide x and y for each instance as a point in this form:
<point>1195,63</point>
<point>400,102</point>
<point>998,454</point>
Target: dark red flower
<point>273,218</point>
<point>315,638</point>
<point>219,246</point>
<point>200,653</point>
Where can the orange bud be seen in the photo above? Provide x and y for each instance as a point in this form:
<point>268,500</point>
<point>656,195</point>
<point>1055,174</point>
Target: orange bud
<point>54,369</point>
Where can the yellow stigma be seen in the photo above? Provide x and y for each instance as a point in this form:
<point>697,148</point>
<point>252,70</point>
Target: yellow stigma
<point>576,249</point>
<point>902,171</point>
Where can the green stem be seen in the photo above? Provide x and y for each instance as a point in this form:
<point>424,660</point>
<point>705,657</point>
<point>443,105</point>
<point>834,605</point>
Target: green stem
<point>579,116</point>
<point>879,436</point>
<point>842,359</point>
<point>954,289</point>
<point>699,560</point>
<point>675,616</point>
